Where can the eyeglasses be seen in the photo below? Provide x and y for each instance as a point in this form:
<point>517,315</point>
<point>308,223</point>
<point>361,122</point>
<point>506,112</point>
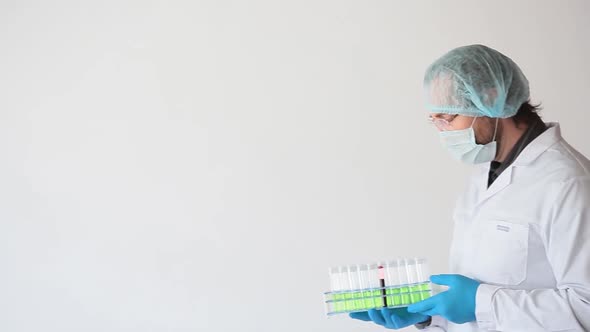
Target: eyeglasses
<point>442,124</point>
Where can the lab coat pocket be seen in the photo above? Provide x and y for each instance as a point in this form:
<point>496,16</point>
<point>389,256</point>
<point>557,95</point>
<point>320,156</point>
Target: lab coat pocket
<point>501,252</point>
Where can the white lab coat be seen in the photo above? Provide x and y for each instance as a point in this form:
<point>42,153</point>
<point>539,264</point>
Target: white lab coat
<point>527,239</point>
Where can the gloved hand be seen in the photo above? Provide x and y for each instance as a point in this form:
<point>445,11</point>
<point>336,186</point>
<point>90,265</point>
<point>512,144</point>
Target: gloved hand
<point>456,304</point>
<point>394,318</point>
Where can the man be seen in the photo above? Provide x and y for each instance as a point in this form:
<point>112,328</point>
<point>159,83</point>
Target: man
<point>521,244</point>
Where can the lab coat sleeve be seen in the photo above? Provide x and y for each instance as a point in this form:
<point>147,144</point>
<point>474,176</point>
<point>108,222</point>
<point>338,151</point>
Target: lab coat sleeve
<point>438,324</point>
<point>566,236</point>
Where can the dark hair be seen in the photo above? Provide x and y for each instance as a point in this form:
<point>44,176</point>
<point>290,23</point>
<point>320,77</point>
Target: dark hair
<point>527,114</point>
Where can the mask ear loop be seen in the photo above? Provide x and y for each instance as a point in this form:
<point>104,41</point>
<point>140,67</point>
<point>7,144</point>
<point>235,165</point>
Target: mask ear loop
<point>495,130</point>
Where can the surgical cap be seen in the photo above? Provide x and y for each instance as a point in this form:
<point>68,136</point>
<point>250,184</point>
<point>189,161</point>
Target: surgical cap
<point>475,80</point>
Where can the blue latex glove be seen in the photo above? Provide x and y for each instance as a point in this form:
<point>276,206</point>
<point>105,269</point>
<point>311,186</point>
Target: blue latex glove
<point>394,318</point>
<point>456,304</point>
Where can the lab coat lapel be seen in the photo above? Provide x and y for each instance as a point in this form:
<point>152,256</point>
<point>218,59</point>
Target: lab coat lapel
<point>499,184</point>
<point>530,152</point>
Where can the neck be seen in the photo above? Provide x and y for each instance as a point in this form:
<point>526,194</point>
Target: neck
<point>508,136</point>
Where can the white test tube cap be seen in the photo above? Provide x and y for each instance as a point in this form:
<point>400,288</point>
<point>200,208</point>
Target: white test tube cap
<point>354,277</point>
<point>412,270</point>
<point>392,274</point>
<point>334,279</point>
<point>423,270</point>
<point>402,271</point>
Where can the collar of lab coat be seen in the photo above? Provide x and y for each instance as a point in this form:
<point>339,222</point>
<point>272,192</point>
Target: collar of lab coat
<point>531,152</point>
<point>539,145</point>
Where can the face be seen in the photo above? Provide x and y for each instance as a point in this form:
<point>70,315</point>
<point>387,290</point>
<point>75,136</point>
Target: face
<point>483,126</point>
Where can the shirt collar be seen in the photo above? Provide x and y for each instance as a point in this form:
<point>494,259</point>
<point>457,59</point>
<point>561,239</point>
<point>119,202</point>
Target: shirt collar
<point>539,145</point>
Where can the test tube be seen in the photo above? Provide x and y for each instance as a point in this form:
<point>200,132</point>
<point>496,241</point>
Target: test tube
<point>334,296</point>
<point>357,295</point>
<point>343,288</point>
<point>330,296</point>
<point>381,275</point>
<point>393,284</point>
<point>367,286</point>
<point>343,282</point>
<point>413,280</point>
<point>403,278</point>
<point>361,282</point>
<point>423,278</point>
<point>375,286</point>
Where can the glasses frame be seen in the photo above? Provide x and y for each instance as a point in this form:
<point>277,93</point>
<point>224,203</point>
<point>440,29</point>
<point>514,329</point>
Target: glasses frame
<point>442,124</point>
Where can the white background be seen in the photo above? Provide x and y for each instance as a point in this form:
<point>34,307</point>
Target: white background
<point>198,165</point>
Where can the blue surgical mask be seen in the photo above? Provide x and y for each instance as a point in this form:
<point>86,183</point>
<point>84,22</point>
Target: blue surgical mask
<point>463,146</point>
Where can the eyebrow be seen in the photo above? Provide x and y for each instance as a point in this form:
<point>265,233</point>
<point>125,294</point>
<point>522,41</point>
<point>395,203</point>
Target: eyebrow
<point>443,116</point>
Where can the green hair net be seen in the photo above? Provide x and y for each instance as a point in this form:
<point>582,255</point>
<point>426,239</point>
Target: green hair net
<point>475,80</point>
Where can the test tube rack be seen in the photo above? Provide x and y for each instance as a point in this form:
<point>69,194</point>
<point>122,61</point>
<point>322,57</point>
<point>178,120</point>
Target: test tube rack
<point>390,284</point>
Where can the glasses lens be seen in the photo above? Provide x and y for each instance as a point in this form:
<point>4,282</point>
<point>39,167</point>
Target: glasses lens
<point>442,124</point>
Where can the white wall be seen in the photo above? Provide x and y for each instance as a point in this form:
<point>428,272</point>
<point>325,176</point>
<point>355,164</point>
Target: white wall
<point>197,165</point>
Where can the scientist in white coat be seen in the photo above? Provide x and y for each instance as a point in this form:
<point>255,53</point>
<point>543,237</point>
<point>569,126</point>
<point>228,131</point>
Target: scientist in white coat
<point>520,254</point>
